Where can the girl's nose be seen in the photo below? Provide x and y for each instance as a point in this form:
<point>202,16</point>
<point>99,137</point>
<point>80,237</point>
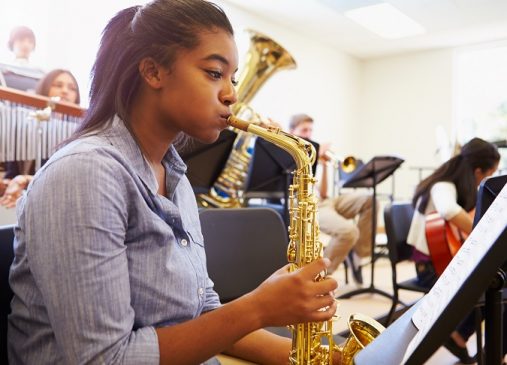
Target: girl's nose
<point>228,96</point>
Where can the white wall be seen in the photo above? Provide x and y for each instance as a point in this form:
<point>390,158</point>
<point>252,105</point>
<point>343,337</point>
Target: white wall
<point>403,99</point>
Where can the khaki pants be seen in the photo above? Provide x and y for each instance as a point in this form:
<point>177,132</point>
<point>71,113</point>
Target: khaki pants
<point>336,219</point>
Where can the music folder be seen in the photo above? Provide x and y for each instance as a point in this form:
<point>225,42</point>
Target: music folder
<point>272,169</point>
<point>373,172</point>
<point>420,331</point>
<point>205,162</point>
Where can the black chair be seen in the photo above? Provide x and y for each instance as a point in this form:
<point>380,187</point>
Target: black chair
<point>243,248</point>
<point>397,220</point>
<point>6,257</point>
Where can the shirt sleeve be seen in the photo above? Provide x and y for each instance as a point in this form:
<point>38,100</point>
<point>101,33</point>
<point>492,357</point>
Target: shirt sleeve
<point>444,197</point>
<point>80,264</point>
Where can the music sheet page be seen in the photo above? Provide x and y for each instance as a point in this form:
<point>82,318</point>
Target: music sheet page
<point>468,257</point>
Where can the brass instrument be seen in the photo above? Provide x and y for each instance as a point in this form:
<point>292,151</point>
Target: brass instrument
<point>305,247</point>
<point>347,164</point>
<point>263,59</point>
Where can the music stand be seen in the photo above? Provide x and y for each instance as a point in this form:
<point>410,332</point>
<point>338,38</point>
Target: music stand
<point>271,172</point>
<point>206,161</point>
<point>370,175</point>
<point>488,191</point>
<point>418,333</point>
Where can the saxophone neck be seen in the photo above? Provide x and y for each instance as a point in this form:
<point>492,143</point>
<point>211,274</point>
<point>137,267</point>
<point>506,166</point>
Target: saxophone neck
<point>300,149</point>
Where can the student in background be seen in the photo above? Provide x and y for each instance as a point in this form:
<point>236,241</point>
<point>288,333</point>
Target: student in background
<point>58,83</point>
<point>451,191</point>
<point>109,256</point>
<point>22,44</point>
<point>20,73</point>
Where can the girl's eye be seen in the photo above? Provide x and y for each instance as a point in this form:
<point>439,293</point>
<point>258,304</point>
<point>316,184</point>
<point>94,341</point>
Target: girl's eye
<point>217,75</point>
<point>234,82</point>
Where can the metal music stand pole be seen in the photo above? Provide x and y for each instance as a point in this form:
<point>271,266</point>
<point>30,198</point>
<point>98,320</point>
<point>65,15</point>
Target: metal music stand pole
<point>388,164</point>
<point>494,320</point>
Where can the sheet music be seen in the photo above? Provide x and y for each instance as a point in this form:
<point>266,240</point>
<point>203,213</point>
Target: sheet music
<point>468,257</point>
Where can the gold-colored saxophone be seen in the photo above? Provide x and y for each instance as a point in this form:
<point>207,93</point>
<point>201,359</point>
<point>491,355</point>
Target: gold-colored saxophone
<point>263,59</point>
<point>308,339</point>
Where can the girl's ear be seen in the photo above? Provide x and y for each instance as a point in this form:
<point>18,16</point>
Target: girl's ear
<point>151,71</point>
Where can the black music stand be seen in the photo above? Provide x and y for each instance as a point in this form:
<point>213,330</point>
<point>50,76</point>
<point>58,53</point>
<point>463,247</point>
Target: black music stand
<point>488,191</point>
<point>451,298</point>
<point>369,175</point>
<point>206,161</point>
<point>271,173</point>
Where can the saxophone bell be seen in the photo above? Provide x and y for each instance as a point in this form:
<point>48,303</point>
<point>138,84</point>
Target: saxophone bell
<point>363,330</point>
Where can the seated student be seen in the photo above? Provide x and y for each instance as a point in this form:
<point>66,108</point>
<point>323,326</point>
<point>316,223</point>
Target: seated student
<point>109,261</point>
<point>451,191</point>
<point>57,83</point>
<point>349,239</point>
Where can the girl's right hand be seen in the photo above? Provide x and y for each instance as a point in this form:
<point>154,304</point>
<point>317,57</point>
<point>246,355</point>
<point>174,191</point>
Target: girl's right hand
<point>289,298</point>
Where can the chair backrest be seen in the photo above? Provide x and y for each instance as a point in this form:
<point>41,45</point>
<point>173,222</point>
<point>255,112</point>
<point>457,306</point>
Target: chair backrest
<point>397,220</point>
<point>6,257</point>
<point>243,247</point>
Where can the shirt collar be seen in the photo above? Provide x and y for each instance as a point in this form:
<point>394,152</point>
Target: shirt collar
<point>121,138</point>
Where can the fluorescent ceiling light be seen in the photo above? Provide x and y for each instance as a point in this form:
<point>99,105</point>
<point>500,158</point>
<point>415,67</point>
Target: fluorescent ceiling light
<point>385,20</point>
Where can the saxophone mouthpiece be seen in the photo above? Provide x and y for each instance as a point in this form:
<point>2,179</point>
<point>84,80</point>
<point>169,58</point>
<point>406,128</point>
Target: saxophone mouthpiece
<point>237,123</point>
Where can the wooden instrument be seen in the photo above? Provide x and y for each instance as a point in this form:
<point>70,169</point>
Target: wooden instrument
<point>444,241</point>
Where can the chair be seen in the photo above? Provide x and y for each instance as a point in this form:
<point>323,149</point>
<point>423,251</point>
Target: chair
<point>243,246</point>
<point>397,220</point>
<point>6,257</point>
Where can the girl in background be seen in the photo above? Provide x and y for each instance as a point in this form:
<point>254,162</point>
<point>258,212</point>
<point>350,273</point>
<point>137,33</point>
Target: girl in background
<point>59,84</point>
<point>451,191</point>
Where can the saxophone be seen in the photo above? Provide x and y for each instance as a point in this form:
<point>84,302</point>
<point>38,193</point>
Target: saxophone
<point>308,339</point>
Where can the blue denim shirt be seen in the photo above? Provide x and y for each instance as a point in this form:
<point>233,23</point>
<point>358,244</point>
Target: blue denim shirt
<point>101,259</point>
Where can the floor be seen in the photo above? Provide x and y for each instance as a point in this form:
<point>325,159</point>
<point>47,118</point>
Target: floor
<point>372,305</point>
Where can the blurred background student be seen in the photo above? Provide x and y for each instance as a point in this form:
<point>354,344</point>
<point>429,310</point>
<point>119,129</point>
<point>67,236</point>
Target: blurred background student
<point>60,84</point>
<point>19,72</point>
<point>451,191</point>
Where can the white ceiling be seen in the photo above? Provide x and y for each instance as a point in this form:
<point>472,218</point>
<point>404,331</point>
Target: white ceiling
<point>449,23</point>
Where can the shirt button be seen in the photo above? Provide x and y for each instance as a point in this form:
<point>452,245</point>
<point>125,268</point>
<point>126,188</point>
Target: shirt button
<point>184,242</point>
<point>200,291</point>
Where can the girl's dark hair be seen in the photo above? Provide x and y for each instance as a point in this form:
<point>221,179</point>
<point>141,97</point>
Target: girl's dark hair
<point>157,30</point>
<point>45,83</point>
<point>476,154</point>
<point>18,33</point>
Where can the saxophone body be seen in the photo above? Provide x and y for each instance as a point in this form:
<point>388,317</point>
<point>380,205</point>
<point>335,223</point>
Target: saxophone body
<point>304,244</point>
<point>312,342</point>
